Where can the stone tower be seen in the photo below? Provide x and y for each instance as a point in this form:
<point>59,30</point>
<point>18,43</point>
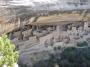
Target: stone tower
<point>85,25</point>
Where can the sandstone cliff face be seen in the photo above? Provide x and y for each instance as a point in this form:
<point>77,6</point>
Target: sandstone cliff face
<point>5,14</point>
<point>15,8</point>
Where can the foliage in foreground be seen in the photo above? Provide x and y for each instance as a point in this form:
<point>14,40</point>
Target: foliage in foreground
<point>8,55</point>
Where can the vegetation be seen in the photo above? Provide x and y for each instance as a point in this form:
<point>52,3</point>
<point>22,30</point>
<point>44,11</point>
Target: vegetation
<point>75,57</point>
<point>8,55</point>
<point>70,57</point>
<point>81,44</point>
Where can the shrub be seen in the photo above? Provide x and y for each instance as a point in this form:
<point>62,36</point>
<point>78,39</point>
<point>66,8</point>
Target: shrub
<point>70,57</point>
<point>8,55</point>
<point>82,44</point>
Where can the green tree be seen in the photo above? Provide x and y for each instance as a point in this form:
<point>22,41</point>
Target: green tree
<point>8,55</point>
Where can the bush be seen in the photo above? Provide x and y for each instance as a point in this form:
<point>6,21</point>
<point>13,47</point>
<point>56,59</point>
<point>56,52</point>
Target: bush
<point>70,57</point>
<point>8,55</point>
<point>82,44</point>
<point>75,57</point>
